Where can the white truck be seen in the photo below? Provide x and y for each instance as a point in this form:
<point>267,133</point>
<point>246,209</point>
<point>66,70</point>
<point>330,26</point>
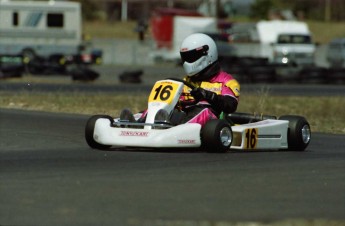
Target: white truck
<point>271,51</point>
<point>41,29</point>
<point>280,42</point>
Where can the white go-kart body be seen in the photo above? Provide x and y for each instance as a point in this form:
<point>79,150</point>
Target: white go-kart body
<point>251,132</point>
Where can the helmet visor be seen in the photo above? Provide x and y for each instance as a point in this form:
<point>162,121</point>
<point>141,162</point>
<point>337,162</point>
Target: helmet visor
<point>194,55</point>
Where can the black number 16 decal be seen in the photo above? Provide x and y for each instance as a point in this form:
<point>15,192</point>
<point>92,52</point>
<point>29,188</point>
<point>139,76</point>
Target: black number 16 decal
<point>163,92</point>
<point>251,138</point>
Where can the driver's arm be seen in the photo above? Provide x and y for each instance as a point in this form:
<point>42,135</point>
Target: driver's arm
<point>219,103</point>
<point>226,102</point>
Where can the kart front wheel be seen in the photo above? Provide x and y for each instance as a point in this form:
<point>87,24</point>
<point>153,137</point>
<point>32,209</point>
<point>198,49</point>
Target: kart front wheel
<point>216,136</point>
<point>299,133</point>
<point>89,132</point>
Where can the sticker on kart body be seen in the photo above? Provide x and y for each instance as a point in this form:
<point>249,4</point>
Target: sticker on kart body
<point>134,134</point>
<point>163,91</point>
<point>186,141</point>
<point>251,138</point>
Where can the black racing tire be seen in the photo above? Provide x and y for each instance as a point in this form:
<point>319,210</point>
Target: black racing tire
<point>299,133</point>
<point>89,130</point>
<point>216,136</point>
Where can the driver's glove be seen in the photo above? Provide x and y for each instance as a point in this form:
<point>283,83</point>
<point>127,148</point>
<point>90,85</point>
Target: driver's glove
<point>202,94</point>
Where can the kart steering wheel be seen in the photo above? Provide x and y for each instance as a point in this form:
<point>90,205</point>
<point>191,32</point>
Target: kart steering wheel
<point>190,85</point>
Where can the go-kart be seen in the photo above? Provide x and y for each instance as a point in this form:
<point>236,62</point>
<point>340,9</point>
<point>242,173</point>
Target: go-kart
<point>231,131</point>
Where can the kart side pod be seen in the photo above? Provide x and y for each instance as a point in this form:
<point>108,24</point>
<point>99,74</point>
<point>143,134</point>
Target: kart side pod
<point>289,132</point>
<point>215,136</point>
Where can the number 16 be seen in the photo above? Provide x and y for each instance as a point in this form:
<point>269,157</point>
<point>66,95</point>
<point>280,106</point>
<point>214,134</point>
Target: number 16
<point>251,138</point>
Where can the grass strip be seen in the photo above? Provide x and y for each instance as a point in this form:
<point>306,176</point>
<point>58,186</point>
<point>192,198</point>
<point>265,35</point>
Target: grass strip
<point>325,114</point>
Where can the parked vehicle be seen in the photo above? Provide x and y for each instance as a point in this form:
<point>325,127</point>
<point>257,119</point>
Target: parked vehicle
<point>11,66</point>
<point>280,42</point>
<point>47,31</point>
<point>336,53</point>
<point>273,51</point>
<point>171,26</point>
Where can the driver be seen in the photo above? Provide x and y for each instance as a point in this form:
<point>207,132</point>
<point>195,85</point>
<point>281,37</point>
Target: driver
<point>216,91</point>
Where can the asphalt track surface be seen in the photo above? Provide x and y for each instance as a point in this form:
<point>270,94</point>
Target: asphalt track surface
<point>49,176</point>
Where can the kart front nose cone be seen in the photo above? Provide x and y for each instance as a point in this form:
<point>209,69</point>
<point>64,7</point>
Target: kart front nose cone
<point>306,134</point>
<point>226,136</point>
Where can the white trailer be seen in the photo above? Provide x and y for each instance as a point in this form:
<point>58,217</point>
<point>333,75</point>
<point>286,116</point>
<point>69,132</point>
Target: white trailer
<point>40,28</point>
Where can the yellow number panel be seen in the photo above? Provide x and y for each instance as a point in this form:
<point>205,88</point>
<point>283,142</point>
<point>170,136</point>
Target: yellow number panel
<point>251,138</point>
<point>163,92</point>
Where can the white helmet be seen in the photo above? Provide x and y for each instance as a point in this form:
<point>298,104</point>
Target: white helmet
<point>197,52</point>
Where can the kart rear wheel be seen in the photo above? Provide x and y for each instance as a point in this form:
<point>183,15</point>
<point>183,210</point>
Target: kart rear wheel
<point>299,133</point>
<point>89,130</point>
<point>216,136</point>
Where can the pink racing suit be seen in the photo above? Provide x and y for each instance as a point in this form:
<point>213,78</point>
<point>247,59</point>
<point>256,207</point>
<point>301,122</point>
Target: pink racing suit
<point>228,91</point>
